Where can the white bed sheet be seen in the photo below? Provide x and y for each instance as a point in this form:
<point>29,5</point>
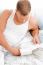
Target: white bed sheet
<point>36,58</point>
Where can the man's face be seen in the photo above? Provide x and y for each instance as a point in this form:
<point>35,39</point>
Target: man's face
<point>21,17</point>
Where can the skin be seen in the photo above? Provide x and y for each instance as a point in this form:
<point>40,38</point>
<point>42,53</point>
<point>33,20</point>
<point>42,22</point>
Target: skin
<point>19,19</point>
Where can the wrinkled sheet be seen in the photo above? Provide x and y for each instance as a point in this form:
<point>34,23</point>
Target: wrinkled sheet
<point>36,58</point>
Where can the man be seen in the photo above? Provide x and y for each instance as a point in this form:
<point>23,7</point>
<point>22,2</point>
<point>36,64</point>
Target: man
<point>22,13</point>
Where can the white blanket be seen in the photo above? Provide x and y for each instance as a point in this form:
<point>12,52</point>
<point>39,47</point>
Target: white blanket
<point>35,58</point>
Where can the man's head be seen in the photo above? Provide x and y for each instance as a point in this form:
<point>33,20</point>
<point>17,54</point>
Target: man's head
<point>23,9</point>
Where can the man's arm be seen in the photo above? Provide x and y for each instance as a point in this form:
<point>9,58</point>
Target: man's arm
<point>33,26</point>
<point>3,21</point>
<point>34,30</point>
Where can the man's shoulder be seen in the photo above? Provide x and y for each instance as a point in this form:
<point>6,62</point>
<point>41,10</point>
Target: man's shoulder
<point>5,14</point>
<point>3,19</point>
<point>7,11</point>
<point>33,20</point>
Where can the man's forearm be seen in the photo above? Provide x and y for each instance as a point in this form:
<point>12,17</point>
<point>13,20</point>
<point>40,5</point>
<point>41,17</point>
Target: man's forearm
<point>4,43</point>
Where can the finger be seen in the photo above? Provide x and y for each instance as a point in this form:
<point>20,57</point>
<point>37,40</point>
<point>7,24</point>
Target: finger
<point>34,42</point>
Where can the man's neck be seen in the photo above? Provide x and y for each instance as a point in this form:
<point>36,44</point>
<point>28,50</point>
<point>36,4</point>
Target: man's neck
<point>16,20</point>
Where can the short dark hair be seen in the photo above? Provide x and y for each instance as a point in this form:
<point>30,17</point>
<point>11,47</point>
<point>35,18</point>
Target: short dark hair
<point>24,7</point>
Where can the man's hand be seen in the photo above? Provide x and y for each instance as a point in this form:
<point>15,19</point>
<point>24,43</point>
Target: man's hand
<point>36,40</point>
<point>15,52</point>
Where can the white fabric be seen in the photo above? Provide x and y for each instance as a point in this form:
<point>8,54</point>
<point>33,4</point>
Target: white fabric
<point>13,33</point>
<point>27,46</point>
<point>17,37</point>
<point>1,58</point>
